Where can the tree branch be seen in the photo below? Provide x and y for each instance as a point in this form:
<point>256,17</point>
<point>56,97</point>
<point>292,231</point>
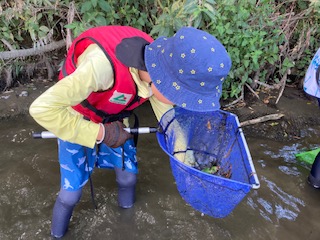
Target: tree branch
<point>262,119</point>
<point>31,51</point>
<point>251,90</point>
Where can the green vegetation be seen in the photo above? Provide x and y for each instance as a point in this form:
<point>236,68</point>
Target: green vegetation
<point>270,43</point>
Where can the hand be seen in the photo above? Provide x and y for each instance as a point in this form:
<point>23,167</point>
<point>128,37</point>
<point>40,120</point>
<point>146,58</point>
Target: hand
<point>115,135</point>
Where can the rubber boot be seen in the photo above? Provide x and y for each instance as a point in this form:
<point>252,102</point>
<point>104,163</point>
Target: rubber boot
<point>126,188</point>
<point>62,212</point>
<point>314,176</point>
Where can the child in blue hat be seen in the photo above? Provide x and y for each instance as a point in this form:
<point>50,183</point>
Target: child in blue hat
<point>311,86</point>
<point>108,72</point>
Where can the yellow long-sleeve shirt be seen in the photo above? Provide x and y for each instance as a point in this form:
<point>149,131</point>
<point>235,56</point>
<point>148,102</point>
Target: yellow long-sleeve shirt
<point>53,111</point>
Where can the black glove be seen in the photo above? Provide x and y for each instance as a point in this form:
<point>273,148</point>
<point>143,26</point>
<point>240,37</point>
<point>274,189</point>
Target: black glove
<point>115,135</point>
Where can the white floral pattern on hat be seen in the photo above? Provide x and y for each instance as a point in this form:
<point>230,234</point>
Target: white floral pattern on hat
<point>189,68</point>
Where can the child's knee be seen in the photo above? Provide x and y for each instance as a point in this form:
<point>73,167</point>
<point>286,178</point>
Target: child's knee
<point>69,198</point>
<point>125,179</point>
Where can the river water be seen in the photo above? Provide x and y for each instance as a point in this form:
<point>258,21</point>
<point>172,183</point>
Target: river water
<point>284,207</point>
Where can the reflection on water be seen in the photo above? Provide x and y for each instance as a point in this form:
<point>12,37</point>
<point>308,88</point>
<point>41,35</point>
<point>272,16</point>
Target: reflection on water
<point>285,206</point>
<point>282,205</point>
<point>289,171</point>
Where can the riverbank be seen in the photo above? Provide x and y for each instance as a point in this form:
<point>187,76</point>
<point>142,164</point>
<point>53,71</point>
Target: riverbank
<point>299,110</point>
<point>16,101</point>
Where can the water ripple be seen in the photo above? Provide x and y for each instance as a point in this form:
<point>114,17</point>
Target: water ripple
<point>281,205</point>
<point>289,170</point>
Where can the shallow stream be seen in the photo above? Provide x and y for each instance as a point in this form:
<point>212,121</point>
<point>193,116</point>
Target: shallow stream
<point>284,207</point>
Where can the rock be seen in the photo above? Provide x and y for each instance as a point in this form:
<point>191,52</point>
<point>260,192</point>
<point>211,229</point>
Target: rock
<point>23,94</point>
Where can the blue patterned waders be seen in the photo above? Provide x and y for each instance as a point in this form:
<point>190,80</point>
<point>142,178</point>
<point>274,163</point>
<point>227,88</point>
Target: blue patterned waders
<point>77,162</point>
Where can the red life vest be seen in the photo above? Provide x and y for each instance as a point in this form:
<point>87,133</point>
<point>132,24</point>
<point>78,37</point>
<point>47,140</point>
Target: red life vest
<point>122,96</point>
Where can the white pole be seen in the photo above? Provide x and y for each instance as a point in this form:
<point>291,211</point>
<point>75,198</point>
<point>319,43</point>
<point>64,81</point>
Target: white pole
<point>141,130</point>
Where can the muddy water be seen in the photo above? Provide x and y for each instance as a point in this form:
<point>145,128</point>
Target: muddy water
<point>285,206</point>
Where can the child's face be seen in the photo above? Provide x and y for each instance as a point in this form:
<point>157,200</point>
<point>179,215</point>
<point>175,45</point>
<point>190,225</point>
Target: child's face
<point>144,76</point>
<point>159,96</point>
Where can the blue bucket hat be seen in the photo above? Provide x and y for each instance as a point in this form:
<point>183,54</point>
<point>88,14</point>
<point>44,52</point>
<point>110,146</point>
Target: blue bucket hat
<point>189,68</point>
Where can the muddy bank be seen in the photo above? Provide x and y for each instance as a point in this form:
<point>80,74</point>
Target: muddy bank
<point>300,111</point>
<point>16,101</point>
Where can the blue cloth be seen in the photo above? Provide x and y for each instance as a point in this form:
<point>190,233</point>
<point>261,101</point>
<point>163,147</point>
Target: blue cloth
<point>112,157</point>
<point>77,162</point>
<point>76,165</point>
<point>311,84</point>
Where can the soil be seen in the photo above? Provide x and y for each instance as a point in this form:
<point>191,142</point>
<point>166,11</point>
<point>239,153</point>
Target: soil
<point>16,101</point>
<point>299,110</point>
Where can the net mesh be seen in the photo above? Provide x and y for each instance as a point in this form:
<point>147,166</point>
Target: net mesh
<point>209,158</point>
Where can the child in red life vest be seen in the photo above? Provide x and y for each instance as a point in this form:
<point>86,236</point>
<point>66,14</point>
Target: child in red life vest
<point>108,72</point>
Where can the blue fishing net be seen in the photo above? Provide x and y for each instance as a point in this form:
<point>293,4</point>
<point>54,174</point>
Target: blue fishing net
<point>209,157</point>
